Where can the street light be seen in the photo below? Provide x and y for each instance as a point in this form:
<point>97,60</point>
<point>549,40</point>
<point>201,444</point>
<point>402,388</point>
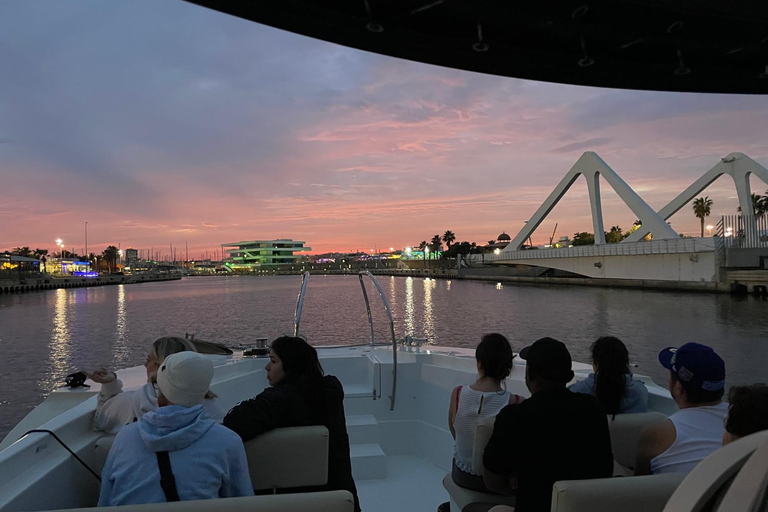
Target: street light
<point>710,228</point>
<point>497,251</point>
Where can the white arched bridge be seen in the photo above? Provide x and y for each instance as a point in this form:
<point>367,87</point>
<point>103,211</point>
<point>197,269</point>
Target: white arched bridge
<point>740,242</point>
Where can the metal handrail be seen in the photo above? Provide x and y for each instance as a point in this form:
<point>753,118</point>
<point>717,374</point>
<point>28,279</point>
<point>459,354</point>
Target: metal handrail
<point>300,303</point>
<point>391,329</point>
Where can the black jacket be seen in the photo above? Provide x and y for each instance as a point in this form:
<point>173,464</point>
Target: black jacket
<point>301,403</point>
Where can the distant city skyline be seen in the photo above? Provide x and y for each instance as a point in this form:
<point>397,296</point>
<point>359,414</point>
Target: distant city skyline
<point>159,122</point>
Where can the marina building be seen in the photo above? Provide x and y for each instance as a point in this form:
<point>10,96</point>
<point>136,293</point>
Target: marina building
<point>253,254</point>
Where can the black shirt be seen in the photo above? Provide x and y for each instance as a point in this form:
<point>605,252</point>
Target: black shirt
<point>554,435</point>
<point>301,403</point>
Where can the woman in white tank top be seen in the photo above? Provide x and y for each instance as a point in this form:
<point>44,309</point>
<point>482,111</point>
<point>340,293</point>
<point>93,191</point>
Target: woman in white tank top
<point>483,398</point>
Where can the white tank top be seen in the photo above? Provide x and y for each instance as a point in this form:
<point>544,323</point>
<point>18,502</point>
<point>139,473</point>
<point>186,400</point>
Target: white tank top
<point>699,433</point>
<point>469,411</point>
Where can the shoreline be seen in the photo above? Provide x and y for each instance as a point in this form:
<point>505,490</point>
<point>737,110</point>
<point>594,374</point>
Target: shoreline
<point>43,283</point>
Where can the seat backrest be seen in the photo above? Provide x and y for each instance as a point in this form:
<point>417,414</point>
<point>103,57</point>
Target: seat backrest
<point>629,494</point>
<point>328,501</point>
<point>289,457</point>
<point>713,473</point>
<point>625,430</point>
<point>483,431</point>
<point>748,490</point>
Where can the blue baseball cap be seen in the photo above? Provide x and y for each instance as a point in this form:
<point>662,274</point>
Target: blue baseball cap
<point>695,365</point>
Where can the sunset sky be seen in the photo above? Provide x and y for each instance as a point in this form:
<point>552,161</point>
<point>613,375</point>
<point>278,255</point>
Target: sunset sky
<point>159,122</point>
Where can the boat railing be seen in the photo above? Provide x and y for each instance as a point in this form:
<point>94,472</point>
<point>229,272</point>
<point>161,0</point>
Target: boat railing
<point>360,275</point>
<point>300,303</point>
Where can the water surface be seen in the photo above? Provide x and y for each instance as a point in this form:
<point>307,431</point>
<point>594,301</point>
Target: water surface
<point>46,335</point>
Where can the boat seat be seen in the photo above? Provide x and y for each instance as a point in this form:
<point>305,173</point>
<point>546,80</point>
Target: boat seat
<point>460,496</point>
<point>101,450</point>
<point>288,457</point>
<point>327,501</point>
<point>625,430</point>
<point>749,490</point>
<point>621,494</point>
<point>710,479</point>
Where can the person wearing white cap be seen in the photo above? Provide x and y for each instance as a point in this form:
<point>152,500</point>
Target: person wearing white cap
<point>176,453</point>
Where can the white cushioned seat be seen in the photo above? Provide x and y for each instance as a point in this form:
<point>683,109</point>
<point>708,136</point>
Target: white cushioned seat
<point>461,496</point>
<point>625,430</point>
<point>328,501</point>
<point>289,457</point>
<point>619,494</point>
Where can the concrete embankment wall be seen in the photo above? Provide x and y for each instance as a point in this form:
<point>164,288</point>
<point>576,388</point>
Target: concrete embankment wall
<point>644,284</point>
<point>34,284</point>
<point>511,275</point>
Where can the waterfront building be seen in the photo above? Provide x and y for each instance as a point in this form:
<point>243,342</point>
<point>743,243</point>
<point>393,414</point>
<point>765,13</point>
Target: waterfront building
<point>501,242</point>
<point>131,257</point>
<point>253,254</point>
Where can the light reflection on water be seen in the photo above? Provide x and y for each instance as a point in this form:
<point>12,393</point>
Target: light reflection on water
<point>428,327</point>
<point>46,335</point>
<point>120,352</point>
<point>60,350</point>
<point>409,323</point>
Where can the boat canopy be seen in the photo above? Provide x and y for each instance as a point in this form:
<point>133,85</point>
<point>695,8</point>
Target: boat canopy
<point>686,45</point>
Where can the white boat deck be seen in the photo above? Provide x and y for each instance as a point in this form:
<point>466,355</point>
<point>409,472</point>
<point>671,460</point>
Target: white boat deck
<point>412,485</point>
<point>399,457</point>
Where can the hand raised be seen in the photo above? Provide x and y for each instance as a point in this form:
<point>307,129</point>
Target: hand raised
<point>101,375</point>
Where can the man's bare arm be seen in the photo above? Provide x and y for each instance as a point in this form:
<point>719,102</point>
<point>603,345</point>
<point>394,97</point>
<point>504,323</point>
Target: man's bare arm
<point>653,441</point>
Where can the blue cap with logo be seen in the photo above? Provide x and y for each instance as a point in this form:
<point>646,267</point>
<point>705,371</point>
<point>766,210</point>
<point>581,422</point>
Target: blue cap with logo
<point>695,365</point>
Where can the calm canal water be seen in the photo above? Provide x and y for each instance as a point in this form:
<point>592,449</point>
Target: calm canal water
<point>45,336</point>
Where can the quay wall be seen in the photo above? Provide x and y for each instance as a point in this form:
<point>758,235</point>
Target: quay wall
<point>42,282</point>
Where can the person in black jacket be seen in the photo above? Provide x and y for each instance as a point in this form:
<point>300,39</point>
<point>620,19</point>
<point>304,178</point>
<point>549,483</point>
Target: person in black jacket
<point>300,395</point>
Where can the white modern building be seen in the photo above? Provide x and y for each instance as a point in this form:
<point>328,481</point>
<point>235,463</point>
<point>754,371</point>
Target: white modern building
<point>260,253</point>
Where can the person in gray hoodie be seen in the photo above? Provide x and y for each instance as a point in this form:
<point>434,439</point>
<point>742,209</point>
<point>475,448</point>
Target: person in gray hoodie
<point>206,459</point>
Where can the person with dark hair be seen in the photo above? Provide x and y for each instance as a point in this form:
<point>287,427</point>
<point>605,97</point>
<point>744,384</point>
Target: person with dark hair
<point>483,398</point>
<point>299,395</point>
<point>612,381</point>
<point>554,435</point>
<point>747,411</point>
<point>697,385</point>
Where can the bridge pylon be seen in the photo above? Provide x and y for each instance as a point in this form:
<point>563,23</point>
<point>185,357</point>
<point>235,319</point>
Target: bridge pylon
<point>592,167</point>
<point>736,165</point>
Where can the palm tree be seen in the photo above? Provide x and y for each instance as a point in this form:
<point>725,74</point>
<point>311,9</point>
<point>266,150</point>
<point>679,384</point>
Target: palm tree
<point>448,238</point>
<point>22,251</point>
<point>434,244</point>
<point>761,207</point>
<point>422,248</point>
<point>110,257</point>
<point>701,209</point>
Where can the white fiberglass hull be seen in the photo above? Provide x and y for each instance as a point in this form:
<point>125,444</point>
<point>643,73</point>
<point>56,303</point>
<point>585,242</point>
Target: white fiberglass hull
<point>398,456</point>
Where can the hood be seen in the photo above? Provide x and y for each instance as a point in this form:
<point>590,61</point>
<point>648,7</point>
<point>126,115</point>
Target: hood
<point>174,427</point>
<point>333,388</point>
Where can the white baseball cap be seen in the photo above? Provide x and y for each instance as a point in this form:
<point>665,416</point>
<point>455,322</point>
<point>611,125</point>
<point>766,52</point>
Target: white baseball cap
<point>184,378</point>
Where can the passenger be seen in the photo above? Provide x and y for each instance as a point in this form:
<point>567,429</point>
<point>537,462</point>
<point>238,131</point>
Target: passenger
<point>697,384</point>
<point>116,408</point>
<point>612,381</point>
<point>299,396</point>
<point>482,399</point>
<point>554,435</point>
<point>176,453</point>
<point>747,411</point>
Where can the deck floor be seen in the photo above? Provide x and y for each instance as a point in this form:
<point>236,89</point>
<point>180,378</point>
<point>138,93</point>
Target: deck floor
<point>412,485</point>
